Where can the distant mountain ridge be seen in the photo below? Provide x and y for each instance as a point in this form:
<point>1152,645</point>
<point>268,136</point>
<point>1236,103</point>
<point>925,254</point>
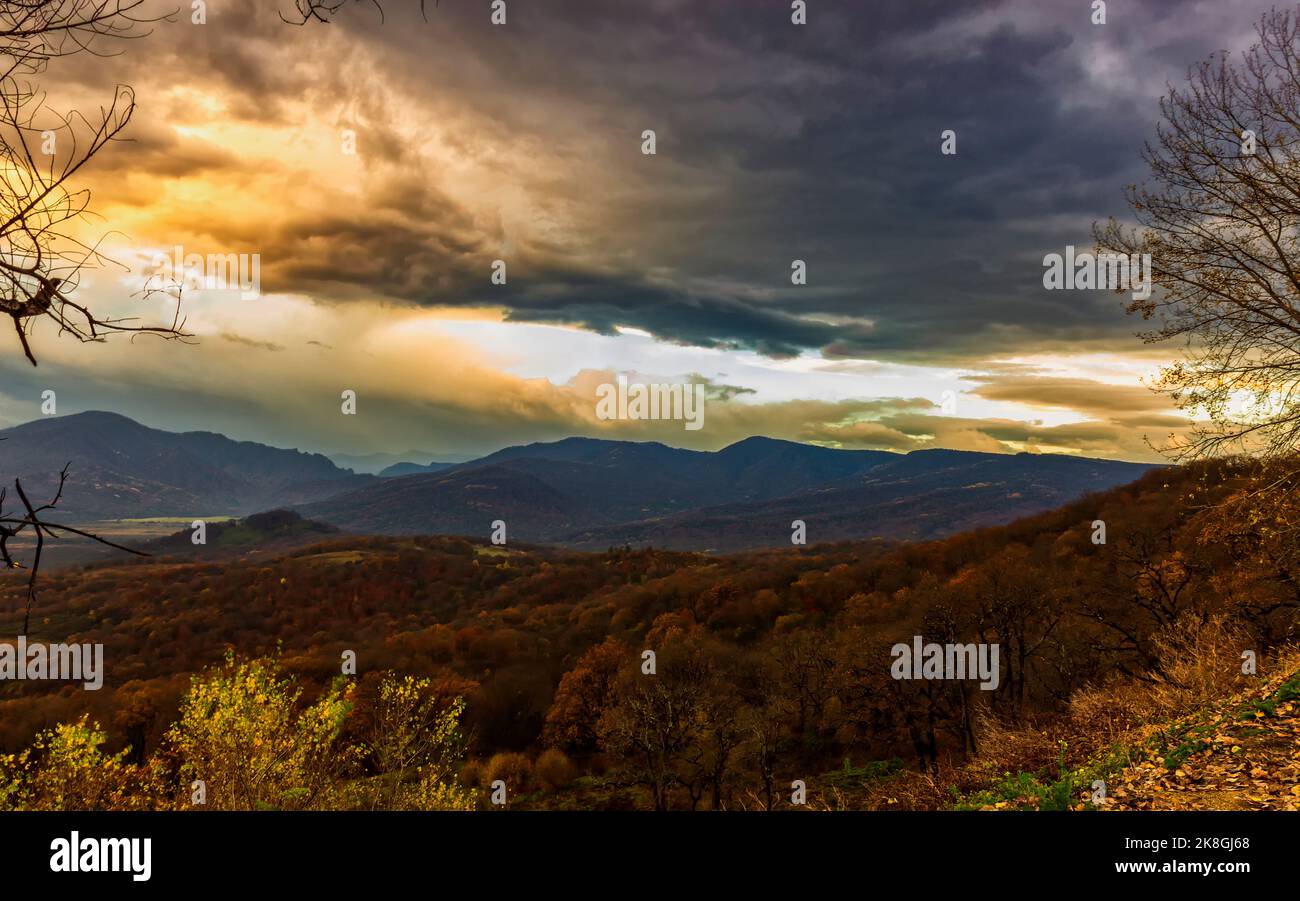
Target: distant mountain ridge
<point>925,495</point>
<point>593,493</point>
<point>577,492</point>
<point>376,464</point>
<point>410,469</point>
<point>120,469</point>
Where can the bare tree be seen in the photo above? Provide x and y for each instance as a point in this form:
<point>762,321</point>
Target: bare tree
<point>33,32</point>
<point>41,256</point>
<point>41,259</point>
<point>29,521</point>
<point>305,11</point>
<point>805,680</point>
<point>651,721</point>
<point>1220,218</point>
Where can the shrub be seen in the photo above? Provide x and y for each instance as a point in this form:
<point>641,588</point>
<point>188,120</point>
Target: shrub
<point>414,741</point>
<point>241,733</point>
<point>513,769</point>
<point>65,769</point>
<point>554,770</point>
<point>1200,659</point>
<point>471,773</point>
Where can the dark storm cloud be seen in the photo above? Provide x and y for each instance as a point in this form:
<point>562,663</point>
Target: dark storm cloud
<point>822,143</point>
<point>725,322</point>
<point>161,152</point>
<point>776,142</point>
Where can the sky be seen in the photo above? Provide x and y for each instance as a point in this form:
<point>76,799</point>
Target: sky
<point>378,165</point>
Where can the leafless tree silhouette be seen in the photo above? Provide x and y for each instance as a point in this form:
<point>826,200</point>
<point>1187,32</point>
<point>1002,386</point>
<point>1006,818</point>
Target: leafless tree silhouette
<point>1220,217</point>
<point>29,520</point>
<point>324,10</point>
<point>41,151</point>
<point>41,259</point>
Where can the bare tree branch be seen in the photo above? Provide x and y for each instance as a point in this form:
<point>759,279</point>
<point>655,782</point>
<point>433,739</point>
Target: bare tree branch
<point>324,10</point>
<point>41,151</point>
<point>1220,219</point>
<point>12,527</point>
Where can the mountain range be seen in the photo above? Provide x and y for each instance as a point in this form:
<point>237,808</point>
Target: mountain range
<point>577,492</point>
<point>592,494</point>
<point>120,469</point>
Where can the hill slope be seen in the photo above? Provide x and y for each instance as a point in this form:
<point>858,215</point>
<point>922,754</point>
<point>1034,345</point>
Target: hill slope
<point>589,493</point>
<point>579,492</point>
<point>798,641</point>
<point>1241,754</point>
<point>119,469</point>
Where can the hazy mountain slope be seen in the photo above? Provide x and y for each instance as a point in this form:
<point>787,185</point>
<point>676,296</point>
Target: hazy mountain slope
<point>460,502</point>
<point>410,469</point>
<point>119,468</point>
<point>580,492</point>
<point>591,493</point>
<point>926,494</point>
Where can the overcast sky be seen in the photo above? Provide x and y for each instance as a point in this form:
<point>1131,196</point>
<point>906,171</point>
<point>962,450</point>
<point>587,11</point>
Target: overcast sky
<point>523,142</point>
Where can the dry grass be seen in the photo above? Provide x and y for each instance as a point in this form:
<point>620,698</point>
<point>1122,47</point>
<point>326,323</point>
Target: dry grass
<point>1201,666</point>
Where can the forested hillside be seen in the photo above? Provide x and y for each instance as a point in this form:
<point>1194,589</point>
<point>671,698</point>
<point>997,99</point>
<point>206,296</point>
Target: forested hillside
<point>770,667</point>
